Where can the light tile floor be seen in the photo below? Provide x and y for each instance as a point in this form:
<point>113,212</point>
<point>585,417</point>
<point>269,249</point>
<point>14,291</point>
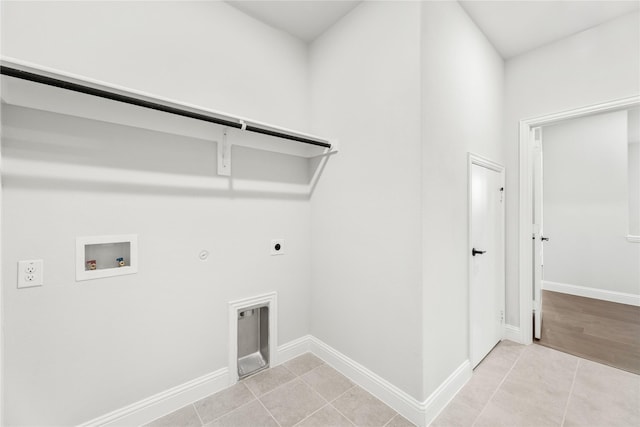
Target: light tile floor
<point>302,392</point>
<point>516,386</point>
<point>533,385</point>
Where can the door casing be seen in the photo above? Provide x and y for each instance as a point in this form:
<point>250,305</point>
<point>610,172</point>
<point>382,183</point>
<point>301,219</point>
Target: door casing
<point>525,216</point>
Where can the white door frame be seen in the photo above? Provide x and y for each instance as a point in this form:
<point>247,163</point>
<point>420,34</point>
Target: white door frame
<point>525,277</point>
<point>475,159</point>
<point>2,285</point>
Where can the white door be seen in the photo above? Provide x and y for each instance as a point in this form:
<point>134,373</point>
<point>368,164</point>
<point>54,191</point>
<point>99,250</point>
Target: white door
<point>537,233</point>
<point>486,257</point>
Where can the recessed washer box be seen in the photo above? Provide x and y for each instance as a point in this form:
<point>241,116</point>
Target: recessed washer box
<point>105,256</point>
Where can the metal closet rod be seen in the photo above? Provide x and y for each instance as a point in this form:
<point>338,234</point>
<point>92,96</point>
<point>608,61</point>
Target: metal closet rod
<point>38,78</point>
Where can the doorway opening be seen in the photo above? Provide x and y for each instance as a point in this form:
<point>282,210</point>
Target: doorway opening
<point>586,274</point>
<point>571,198</point>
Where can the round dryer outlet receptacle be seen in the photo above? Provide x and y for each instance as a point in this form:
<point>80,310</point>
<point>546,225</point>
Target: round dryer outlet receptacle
<point>277,247</point>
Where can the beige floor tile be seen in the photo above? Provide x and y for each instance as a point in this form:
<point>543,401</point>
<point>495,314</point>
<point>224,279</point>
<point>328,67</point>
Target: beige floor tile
<point>545,363</point>
<point>292,402</point>
<point>325,417</point>
<point>328,382</point>
<point>541,377</point>
<point>303,364</point>
<point>514,386</point>
<point>604,396</point>
<point>501,411</point>
<point>268,380</point>
<point>400,421</point>
<point>488,375</point>
<point>500,360</point>
<point>479,389</point>
<point>250,415</point>
<point>456,414</point>
<point>535,392</point>
<point>363,409</point>
<point>183,417</point>
<point>538,389</point>
<point>525,402</point>
<point>525,392</point>
<point>225,401</point>
<point>511,344</point>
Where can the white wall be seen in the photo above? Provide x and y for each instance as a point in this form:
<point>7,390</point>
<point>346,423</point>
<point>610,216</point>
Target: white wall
<point>366,293</point>
<point>462,107</point>
<point>202,52</point>
<point>634,189</point>
<point>389,216</point>
<point>585,203</point>
<point>77,350</point>
<point>633,131</point>
<point>596,65</point>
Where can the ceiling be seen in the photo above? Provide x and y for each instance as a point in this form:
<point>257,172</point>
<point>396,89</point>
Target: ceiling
<point>513,27</point>
<point>304,19</point>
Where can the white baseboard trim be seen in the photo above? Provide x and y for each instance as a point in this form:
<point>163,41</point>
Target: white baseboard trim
<point>293,349</point>
<point>445,392</point>
<point>601,294</point>
<point>151,408</point>
<point>170,400</point>
<point>512,333</point>
<point>419,413</point>
<point>404,404</point>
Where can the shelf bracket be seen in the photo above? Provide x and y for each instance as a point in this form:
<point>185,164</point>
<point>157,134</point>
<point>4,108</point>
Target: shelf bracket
<point>224,155</point>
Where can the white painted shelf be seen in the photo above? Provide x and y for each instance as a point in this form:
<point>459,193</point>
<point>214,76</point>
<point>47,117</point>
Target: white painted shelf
<point>23,92</point>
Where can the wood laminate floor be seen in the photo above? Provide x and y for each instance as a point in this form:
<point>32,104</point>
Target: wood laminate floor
<point>597,330</point>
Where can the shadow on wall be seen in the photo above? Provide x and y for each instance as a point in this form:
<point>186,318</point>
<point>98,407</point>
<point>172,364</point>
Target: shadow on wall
<point>68,152</point>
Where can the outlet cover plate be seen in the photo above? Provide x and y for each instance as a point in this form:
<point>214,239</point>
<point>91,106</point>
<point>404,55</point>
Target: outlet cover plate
<point>30,273</point>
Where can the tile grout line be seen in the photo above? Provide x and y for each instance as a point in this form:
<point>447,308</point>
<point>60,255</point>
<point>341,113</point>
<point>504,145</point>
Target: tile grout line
<point>265,408</point>
<point>233,410</point>
<point>313,390</point>
<point>345,417</point>
<point>392,418</point>
<point>295,377</point>
<point>338,410</point>
<point>197,413</point>
<point>312,369</point>
<point>311,414</point>
<point>566,408</point>
<point>311,387</point>
<point>498,387</point>
<point>329,402</point>
<point>322,362</point>
<point>325,399</point>
<point>342,394</point>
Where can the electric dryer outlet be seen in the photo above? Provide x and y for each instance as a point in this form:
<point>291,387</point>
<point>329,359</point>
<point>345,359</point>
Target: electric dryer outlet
<point>277,247</point>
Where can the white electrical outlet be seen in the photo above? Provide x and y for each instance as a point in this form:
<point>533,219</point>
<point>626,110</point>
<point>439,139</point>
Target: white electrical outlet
<point>277,247</point>
<point>30,273</point>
